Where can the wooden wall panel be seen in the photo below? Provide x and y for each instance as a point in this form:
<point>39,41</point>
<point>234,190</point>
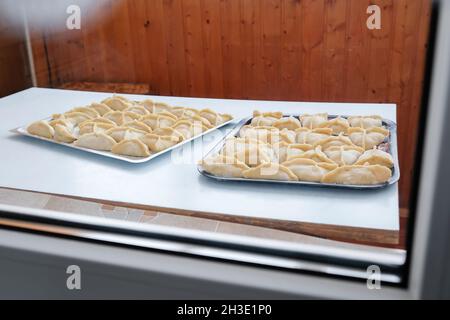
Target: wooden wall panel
<point>301,50</point>
<point>14,71</point>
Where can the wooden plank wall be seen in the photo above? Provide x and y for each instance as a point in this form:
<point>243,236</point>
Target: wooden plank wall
<point>301,50</point>
<point>14,71</point>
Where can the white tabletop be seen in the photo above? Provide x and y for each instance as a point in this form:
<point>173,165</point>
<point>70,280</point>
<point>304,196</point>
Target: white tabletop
<point>172,180</point>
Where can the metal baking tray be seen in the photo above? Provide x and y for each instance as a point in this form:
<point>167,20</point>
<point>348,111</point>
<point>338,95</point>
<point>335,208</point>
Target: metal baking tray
<point>23,131</point>
<point>390,146</point>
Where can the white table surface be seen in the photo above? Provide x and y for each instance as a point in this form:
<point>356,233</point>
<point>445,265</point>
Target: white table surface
<point>172,180</point>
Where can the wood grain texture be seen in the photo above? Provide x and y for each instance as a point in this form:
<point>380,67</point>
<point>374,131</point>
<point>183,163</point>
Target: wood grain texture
<point>14,71</point>
<point>298,50</point>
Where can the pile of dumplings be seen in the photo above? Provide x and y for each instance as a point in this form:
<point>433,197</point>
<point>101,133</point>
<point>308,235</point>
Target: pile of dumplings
<point>130,128</point>
<point>310,148</point>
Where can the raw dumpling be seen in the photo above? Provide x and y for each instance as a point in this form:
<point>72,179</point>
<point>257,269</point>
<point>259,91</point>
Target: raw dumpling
<point>376,156</point>
<point>309,170</point>
<point>62,122</point>
<point>139,125</point>
<point>169,132</point>
<point>334,141</point>
<point>355,174</point>
<point>365,122</point>
<point>123,133</point>
<point>212,116</point>
<point>121,118</point>
<point>76,117</point>
<point>185,128</point>
<point>155,121</point>
<point>263,134</point>
<point>41,129</point>
<point>117,103</point>
<point>289,123</point>
<point>223,166</point>
<point>270,114</point>
<point>236,145</point>
<point>63,134</point>
<point>254,154</point>
<point>101,108</point>
<point>338,125</point>
<point>296,150</point>
<point>147,104</point>
<point>344,155</point>
<point>158,143</point>
<point>97,141</point>
<point>280,149</point>
<point>308,136</point>
<point>313,121</point>
<point>133,148</point>
<point>138,110</point>
<point>224,117</point>
<point>270,171</point>
<point>98,127</point>
<point>159,107</point>
<point>367,138</point>
<point>98,120</point>
<point>182,112</point>
<point>316,154</point>
<point>89,111</point>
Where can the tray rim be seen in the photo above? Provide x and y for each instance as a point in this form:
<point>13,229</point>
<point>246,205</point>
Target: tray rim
<point>392,127</point>
<point>21,130</point>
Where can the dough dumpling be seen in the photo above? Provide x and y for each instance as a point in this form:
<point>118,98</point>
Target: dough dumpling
<point>344,155</point>
<point>212,116</point>
<point>63,134</point>
<point>155,121</point>
<point>133,148</point>
<point>289,123</point>
<point>264,134</point>
<point>120,118</point>
<point>138,125</point>
<point>358,175</point>
<point>313,121</point>
<point>42,129</point>
<point>265,118</point>
<point>368,138</point>
<point>159,107</point>
<point>337,125</point>
<point>158,143</point>
<point>233,145</point>
<point>98,127</point>
<point>101,108</point>
<point>270,171</point>
<point>182,112</point>
<point>223,166</point>
<point>117,103</point>
<point>309,170</point>
<point>296,150</point>
<point>316,154</point>
<point>138,110</point>
<point>169,132</point>
<point>308,136</point>
<point>334,141</point>
<point>89,111</point>
<point>123,133</point>
<point>96,141</point>
<point>254,154</point>
<point>270,114</point>
<point>98,120</point>
<point>365,122</point>
<point>280,149</point>
<point>76,117</point>
<point>185,128</point>
<point>376,156</point>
